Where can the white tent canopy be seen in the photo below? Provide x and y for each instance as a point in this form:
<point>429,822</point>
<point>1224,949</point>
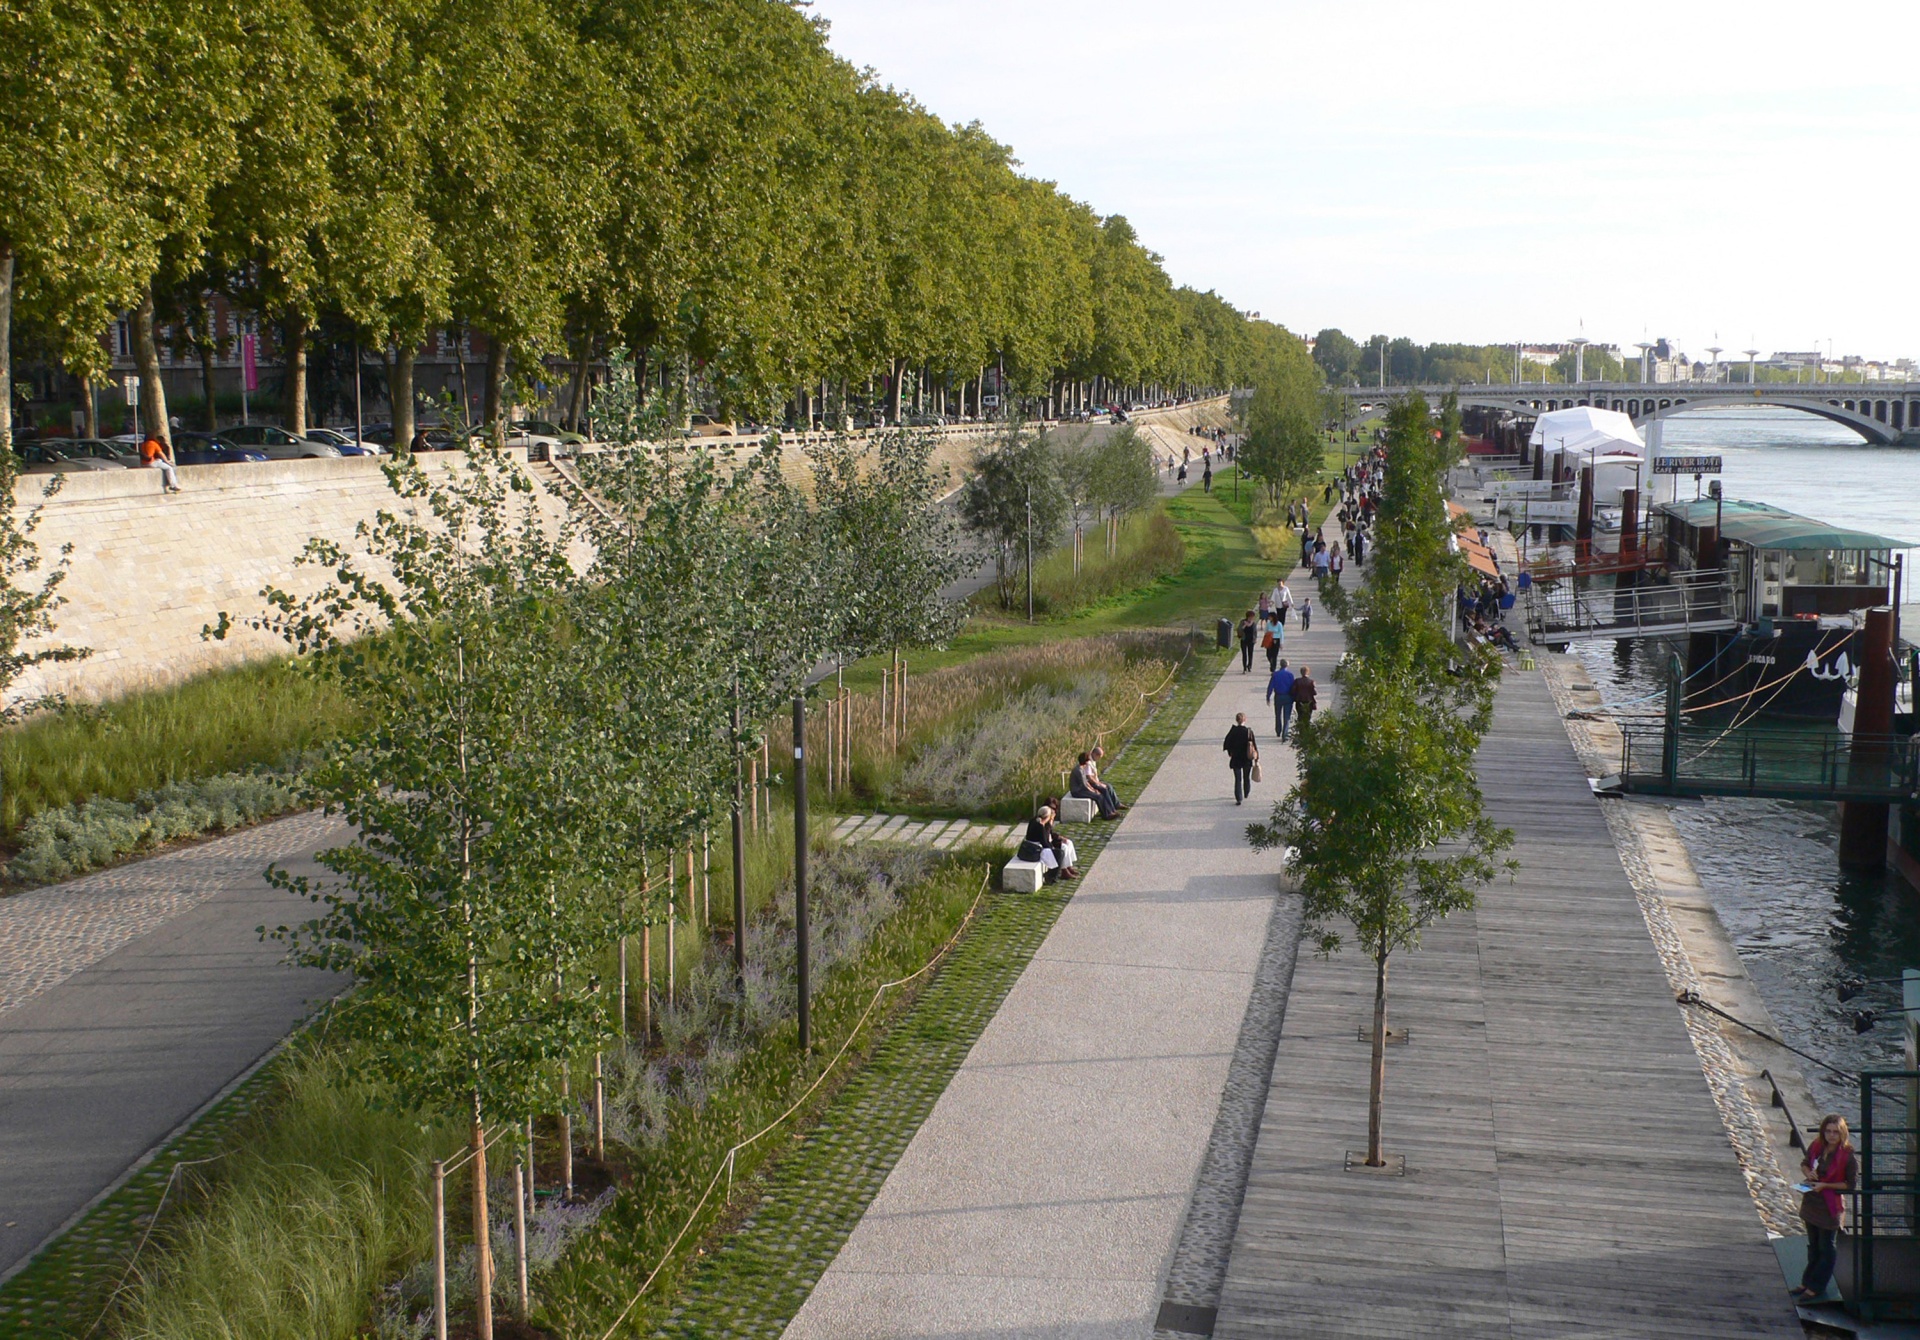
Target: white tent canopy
<point>1585,429</point>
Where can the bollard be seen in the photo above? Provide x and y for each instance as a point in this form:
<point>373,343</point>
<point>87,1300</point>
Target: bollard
<point>439,1250</point>
<point>520,1193</point>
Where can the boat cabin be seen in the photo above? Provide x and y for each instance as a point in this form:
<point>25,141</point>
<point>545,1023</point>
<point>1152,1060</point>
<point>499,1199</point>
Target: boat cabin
<point>1784,566</point>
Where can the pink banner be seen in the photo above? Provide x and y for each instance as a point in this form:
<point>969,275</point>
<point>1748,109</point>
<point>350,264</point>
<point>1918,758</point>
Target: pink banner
<point>249,369</point>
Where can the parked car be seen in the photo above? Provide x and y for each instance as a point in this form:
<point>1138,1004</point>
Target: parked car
<point>108,449</point>
<point>275,444</point>
<point>59,456</point>
<point>206,449</point>
<point>344,443</point>
<point>703,425</point>
<point>542,428</point>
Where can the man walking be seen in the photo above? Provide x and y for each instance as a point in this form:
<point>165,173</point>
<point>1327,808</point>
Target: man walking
<point>1280,694</point>
<point>1306,695</point>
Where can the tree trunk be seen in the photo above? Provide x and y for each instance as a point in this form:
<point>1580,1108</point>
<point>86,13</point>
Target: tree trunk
<point>6,346</point>
<point>482,1241</point>
<point>897,368</point>
<point>496,390</point>
<point>400,396</point>
<point>577,391</point>
<point>153,391</point>
<point>457,336</point>
<point>1377,1090</point>
<point>92,407</point>
<point>208,354</point>
<point>294,414</point>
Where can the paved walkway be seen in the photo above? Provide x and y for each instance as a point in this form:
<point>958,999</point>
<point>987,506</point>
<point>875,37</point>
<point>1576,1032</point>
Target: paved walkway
<point>1045,1194</point>
<point>128,1000</point>
<point>1567,1172</point>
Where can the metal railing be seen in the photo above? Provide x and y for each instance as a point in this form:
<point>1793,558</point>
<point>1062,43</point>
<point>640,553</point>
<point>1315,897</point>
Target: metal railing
<point>1773,761</point>
<point>1690,602</point>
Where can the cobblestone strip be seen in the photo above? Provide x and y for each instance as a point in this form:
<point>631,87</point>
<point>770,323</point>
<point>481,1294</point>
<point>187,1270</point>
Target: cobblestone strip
<point>1746,1128</point>
<point>1199,1269</point>
<point>49,934</point>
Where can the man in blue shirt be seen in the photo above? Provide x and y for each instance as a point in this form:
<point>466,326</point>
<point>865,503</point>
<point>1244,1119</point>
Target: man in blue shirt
<point>1280,694</point>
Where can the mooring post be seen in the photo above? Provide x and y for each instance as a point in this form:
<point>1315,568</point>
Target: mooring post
<point>1863,823</point>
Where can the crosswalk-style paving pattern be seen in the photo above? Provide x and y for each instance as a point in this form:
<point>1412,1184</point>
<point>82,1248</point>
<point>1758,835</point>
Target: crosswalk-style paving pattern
<point>940,834</point>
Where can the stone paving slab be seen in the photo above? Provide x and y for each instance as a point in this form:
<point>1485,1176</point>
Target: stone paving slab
<point>1044,1193</point>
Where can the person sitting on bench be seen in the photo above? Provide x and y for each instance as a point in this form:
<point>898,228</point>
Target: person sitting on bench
<point>1099,784</point>
<point>1086,785</point>
<point>1044,844</point>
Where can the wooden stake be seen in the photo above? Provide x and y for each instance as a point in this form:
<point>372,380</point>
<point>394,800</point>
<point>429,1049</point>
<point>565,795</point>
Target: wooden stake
<point>520,1193</point>
<point>439,1250</point>
<point>646,982</point>
<point>706,876</point>
<point>671,917</point>
<point>566,1136</point>
<point>599,1110</point>
<point>753,794</point>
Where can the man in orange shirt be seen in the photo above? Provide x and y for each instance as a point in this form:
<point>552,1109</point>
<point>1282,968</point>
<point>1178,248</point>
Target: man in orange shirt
<point>155,454</point>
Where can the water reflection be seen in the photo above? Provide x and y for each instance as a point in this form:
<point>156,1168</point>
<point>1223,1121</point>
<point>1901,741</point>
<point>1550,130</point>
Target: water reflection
<point>1772,871</point>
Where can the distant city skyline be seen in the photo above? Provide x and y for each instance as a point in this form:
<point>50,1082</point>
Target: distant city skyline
<point>1463,172</point>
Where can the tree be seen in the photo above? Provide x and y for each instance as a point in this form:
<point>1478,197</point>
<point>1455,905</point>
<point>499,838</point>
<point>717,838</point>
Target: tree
<point>1337,356</point>
<point>1123,478</point>
<point>1283,443</point>
<point>1387,822</point>
<point>450,909</point>
<point>1013,502</point>
<point>28,598</point>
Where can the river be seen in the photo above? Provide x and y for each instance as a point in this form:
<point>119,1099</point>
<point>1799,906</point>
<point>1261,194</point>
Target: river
<point>1771,866</point>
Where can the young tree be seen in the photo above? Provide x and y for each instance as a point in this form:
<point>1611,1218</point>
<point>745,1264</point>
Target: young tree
<point>449,908</point>
<point>1387,820</point>
<point>1014,503</point>
<point>1124,479</point>
<point>28,598</point>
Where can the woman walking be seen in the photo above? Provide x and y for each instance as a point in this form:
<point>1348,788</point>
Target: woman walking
<point>1830,1171</point>
<point>1274,638</point>
<point>1249,630</point>
<point>1242,754</point>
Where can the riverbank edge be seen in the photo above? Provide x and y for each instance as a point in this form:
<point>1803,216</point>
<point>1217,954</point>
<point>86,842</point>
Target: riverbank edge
<point>1698,955</point>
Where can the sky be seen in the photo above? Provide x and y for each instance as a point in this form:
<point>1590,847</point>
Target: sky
<point>1740,174</point>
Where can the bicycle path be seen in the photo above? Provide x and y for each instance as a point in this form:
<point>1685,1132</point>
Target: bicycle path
<point>129,1000</point>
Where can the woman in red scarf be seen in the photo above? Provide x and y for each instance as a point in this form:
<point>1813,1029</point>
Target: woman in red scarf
<point>1831,1170</point>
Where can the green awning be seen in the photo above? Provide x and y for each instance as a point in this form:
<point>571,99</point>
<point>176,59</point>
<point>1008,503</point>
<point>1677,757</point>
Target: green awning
<point>1765,526</point>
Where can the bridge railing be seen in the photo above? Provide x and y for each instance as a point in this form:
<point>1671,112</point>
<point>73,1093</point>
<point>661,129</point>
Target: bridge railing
<point>1766,760</point>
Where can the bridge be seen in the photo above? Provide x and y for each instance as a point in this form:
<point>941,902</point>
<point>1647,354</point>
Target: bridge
<point>1883,412</point>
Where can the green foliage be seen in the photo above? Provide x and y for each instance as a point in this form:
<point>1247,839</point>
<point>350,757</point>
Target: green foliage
<point>1147,549</point>
<point>1282,446</point>
<point>28,598</point>
<point>72,839</point>
<point>263,715</point>
<point>1386,822</point>
<point>308,1213</point>
<point>1014,503</point>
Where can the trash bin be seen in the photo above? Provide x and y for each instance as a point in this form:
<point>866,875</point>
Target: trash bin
<point>1223,632</point>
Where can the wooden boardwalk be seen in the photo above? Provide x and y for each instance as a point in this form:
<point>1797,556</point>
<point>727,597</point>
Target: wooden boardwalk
<point>1567,1173</point>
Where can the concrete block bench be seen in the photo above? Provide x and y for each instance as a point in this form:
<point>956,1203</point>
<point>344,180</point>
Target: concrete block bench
<point>1018,876</point>
<point>1077,810</point>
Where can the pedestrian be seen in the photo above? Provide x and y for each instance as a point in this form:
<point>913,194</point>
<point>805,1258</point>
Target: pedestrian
<point>156,455</point>
<point>1306,546</point>
<point>1830,1172</point>
<point>1359,547</point>
<point>1243,753</point>
<point>1275,640</point>
<point>1249,632</point>
<point>1320,560</point>
<point>1306,696</point>
<point>1336,561</point>
<point>1206,478</point>
<point>1281,600</point>
<point>1280,694</point>
<point>1306,615</point>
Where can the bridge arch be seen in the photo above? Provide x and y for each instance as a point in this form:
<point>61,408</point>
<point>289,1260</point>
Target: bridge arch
<point>1879,420</point>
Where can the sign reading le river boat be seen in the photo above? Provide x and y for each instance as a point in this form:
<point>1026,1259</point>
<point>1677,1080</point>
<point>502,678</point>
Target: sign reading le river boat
<point>1686,465</point>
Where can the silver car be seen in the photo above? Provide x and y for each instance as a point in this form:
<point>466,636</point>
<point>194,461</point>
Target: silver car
<point>277,444</point>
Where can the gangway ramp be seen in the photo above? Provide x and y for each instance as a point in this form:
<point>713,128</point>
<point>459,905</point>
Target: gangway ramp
<point>1559,612</point>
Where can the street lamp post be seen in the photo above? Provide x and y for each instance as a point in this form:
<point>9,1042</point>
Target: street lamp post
<point>1029,553</point>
